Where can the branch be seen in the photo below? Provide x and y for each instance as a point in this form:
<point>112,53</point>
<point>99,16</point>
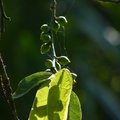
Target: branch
<point>3,16</point>
<point>7,90</point>
<point>113,1</point>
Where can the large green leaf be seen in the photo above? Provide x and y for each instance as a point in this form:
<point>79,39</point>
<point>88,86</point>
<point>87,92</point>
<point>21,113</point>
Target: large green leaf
<point>74,108</point>
<point>39,108</point>
<point>59,95</point>
<point>30,82</point>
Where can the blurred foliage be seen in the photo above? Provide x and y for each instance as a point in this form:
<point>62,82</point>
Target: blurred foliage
<point>92,38</point>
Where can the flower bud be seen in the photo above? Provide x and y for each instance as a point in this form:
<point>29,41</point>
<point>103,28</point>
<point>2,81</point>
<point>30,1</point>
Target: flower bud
<point>55,26</point>
<point>45,48</point>
<point>45,28</point>
<point>73,77</point>
<point>46,38</point>
<point>62,20</point>
<point>58,66</point>
<point>63,60</point>
<point>49,63</point>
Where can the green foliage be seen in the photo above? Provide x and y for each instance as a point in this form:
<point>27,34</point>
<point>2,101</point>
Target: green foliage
<point>39,108</point>
<point>75,112</point>
<point>52,99</point>
<point>92,39</point>
<point>59,95</point>
<point>30,82</point>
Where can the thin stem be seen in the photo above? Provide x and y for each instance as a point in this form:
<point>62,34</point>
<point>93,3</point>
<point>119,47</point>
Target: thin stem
<point>7,90</point>
<point>53,9</point>
<point>64,44</point>
<point>59,44</point>
<point>3,16</point>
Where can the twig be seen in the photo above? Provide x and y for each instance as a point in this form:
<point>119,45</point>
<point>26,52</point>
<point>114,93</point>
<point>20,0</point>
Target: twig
<point>3,16</point>
<point>7,90</point>
<point>4,79</point>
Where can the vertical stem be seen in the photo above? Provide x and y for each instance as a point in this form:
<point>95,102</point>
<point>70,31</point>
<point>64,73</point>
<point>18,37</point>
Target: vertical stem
<point>53,9</point>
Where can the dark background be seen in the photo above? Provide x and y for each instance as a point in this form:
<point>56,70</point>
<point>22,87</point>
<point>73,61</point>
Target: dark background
<point>93,45</point>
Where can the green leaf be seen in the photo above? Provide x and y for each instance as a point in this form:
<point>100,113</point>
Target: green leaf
<point>74,108</point>
<point>30,82</point>
<point>59,95</point>
<point>39,108</point>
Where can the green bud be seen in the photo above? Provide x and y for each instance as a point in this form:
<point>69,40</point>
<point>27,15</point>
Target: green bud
<point>73,77</point>
<point>62,20</point>
<point>45,28</point>
<point>58,66</point>
<point>55,26</point>
<point>48,70</point>
<point>45,48</point>
<point>49,63</point>
<point>46,38</point>
<point>63,60</point>
<point>42,35</point>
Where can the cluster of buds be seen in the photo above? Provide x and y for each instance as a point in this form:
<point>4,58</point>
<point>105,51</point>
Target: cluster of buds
<point>45,36</point>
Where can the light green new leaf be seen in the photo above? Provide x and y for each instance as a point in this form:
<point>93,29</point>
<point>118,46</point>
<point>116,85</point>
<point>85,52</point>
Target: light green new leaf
<point>39,108</point>
<point>74,108</point>
<point>29,82</point>
<point>59,95</point>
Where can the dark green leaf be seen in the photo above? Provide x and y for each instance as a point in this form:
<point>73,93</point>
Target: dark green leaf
<point>30,82</point>
<point>74,108</point>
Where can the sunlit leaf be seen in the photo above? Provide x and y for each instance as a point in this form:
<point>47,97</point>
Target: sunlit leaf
<point>74,108</point>
<point>59,95</point>
<point>39,108</point>
<point>30,82</point>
